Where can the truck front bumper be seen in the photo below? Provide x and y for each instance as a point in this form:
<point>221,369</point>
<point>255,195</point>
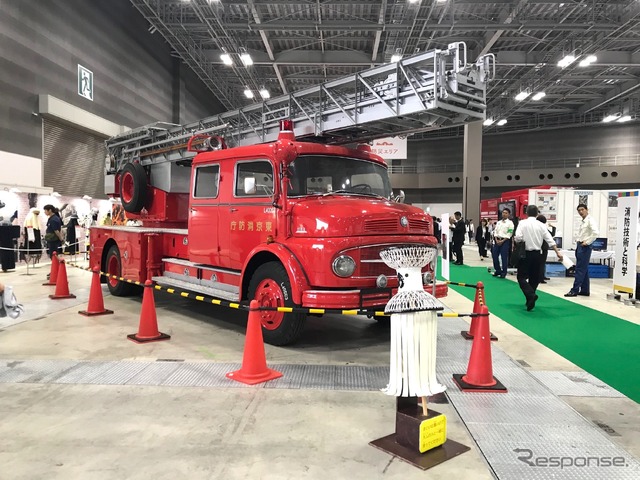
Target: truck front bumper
<point>352,299</point>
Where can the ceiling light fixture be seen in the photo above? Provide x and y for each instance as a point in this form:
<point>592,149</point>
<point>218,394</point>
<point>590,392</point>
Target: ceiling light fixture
<point>585,62</point>
<point>396,57</point>
<point>226,59</point>
<point>566,61</point>
<point>538,96</point>
<point>247,61</point>
<point>264,93</point>
<point>625,118</point>
<point>502,122</point>
<point>248,93</point>
<point>610,118</point>
<point>522,95</point>
<point>488,122</point>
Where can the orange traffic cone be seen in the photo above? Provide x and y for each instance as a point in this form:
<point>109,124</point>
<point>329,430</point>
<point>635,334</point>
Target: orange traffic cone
<point>53,274</point>
<point>148,327</point>
<point>254,364</point>
<point>62,284</point>
<point>96,303</point>
<point>477,303</point>
<point>479,377</point>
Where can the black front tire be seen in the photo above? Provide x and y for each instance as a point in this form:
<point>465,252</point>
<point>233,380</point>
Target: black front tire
<point>270,285</point>
<point>113,266</point>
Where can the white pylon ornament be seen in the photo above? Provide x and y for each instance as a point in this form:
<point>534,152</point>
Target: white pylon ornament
<point>414,325</point>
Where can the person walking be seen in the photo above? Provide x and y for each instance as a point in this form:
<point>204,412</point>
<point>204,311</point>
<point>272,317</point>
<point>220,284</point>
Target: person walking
<point>458,229</point>
<point>587,233</point>
<point>502,234</point>
<point>483,237</point>
<point>533,233</point>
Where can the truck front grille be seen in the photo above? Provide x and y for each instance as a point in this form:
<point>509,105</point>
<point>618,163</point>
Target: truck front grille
<point>387,225</point>
<point>371,265</point>
<point>416,225</point>
<point>392,225</point>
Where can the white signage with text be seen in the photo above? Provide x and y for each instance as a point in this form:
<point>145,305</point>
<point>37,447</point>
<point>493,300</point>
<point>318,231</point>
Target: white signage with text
<point>624,273</point>
<point>390,148</point>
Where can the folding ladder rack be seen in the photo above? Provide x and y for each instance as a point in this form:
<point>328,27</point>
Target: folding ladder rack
<point>429,90</point>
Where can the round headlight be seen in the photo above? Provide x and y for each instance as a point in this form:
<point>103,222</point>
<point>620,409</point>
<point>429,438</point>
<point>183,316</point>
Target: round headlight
<point>344,266</point>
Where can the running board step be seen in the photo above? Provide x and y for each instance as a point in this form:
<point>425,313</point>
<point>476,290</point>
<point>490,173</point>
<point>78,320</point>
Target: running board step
<point>194,287</point>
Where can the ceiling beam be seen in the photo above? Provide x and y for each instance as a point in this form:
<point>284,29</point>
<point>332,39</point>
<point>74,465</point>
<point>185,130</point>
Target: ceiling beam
<point>605,59</point>
<point>267,45</point>
<point>467,26</point>
<point>305,58</point>
<point>367,3</point>
<point>507,19</point>
<point>619,91</point>
<point>376,41</point>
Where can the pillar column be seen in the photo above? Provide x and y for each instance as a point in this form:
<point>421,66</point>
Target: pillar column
<point>472,171</point>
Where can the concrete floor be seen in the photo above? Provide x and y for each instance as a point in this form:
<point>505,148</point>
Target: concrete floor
<point>72,431</point>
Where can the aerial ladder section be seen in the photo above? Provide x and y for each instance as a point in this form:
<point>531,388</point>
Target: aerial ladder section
<point>430,90</point>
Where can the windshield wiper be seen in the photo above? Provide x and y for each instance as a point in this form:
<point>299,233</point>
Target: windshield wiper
<point>349,192</point>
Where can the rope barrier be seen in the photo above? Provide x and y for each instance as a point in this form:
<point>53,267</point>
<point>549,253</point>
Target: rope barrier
<point>41,249</point>
<point>245,305</point>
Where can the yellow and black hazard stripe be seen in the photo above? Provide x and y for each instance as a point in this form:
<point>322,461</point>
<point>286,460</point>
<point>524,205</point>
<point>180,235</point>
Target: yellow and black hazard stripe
<point>245,305</point>
<point>459,284</point>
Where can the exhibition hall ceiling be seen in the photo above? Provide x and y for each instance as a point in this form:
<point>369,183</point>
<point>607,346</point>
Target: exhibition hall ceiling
<point>295,44</point>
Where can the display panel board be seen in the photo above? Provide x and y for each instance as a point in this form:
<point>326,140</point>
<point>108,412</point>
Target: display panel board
<point>624,272</point>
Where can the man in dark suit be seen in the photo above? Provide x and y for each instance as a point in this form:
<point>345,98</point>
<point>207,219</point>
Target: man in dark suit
<point>458,229</point>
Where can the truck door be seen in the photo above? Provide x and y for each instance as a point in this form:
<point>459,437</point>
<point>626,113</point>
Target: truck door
<point>203,215</point>
<point>250,217</point>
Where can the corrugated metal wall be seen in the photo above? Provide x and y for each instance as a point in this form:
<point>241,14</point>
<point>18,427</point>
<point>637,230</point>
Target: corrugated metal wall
<point>43,41</point>
<point>73,160</point>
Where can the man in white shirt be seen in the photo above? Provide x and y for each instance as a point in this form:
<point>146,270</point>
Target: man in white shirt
<point>586,235</point>
<point>502,234</point>
<point>533,233</point>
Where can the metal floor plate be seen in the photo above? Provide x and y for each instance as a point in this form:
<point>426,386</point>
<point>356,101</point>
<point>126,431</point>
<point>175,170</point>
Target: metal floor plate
<point>528,424</point>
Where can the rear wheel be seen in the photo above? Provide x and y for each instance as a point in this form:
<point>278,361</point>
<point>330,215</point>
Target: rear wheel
<point>271,287</point>
<point>114,267</point>
<point>133,187</point>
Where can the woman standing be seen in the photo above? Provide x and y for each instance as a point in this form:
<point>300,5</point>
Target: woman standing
<point>483,237</point>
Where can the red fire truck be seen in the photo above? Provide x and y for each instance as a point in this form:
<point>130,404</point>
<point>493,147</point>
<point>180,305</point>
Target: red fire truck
<point>284,221</point>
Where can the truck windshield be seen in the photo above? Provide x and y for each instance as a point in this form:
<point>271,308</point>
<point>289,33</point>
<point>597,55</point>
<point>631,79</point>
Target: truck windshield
<point>327,174</point>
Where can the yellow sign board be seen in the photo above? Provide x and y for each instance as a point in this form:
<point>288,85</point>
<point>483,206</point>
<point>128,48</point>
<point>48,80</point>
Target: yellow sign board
<point>433,433</point>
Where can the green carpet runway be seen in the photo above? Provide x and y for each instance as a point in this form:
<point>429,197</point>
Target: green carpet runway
<point>603,345</point>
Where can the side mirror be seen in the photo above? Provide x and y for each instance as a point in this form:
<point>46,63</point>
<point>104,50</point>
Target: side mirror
<point>400,197</point>
<point>250,186</point>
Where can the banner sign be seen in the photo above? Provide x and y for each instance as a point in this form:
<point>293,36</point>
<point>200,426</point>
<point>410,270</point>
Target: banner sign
<point>624,273</point>
<point>444,241</point>
<point>390,148</point>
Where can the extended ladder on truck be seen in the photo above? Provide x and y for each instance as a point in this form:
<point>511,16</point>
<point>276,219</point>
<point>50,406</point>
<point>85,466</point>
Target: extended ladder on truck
<point>429,90</point>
